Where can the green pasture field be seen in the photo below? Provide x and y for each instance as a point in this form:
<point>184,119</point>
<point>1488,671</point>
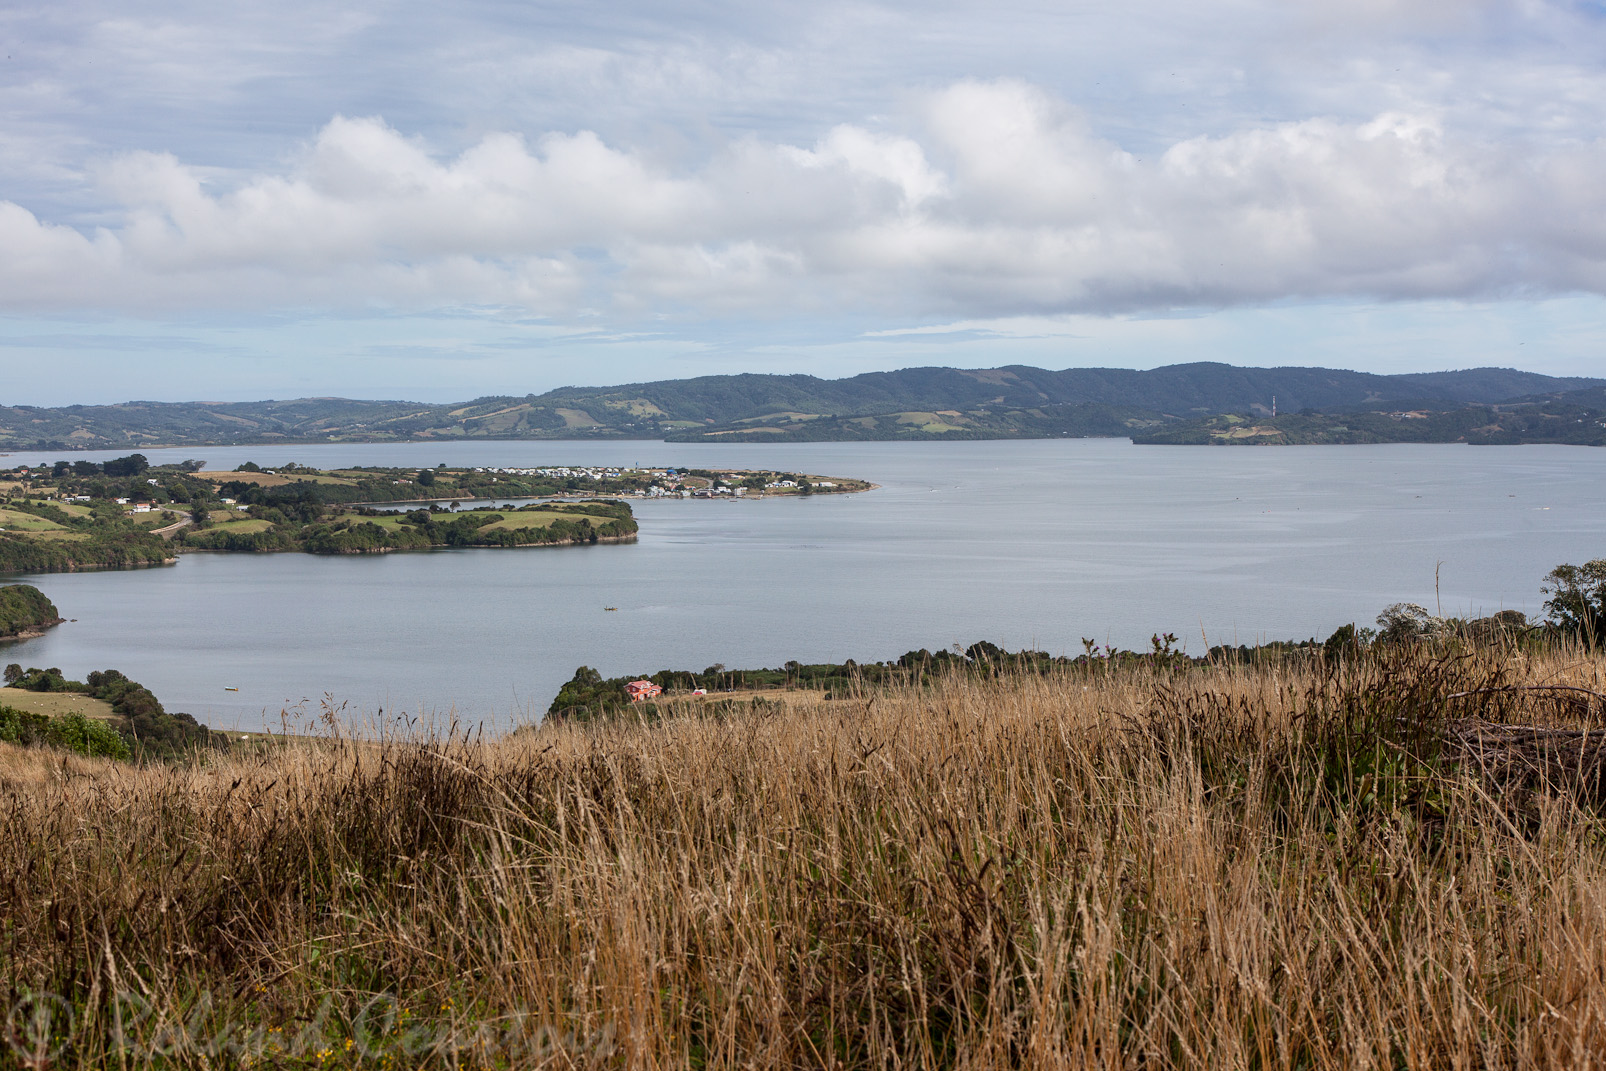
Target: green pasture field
<point>539,519</point>
<point>55,704</point>
<point>243,525</point>
<point>513,519</point>
<point>17,521</point>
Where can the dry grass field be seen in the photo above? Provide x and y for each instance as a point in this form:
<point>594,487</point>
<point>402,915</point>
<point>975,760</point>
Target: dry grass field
<point>1395,862</point>
<point>261,479</point>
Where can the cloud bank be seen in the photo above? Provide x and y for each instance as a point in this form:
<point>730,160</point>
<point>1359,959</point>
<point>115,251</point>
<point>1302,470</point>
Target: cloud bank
<point>997,199</point>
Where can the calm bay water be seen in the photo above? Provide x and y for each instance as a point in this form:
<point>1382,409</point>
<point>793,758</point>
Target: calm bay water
<point>1037,542</point>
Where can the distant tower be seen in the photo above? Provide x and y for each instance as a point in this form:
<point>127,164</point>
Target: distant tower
<point>1274,406</point>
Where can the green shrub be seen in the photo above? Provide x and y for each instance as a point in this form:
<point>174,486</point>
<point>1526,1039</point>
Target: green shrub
<point>70,732</point>
<point>86,736</point>
<point>21,727</point>
<point>35,679</point>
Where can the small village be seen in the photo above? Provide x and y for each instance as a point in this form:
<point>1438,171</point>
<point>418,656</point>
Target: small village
<point>681,483</point>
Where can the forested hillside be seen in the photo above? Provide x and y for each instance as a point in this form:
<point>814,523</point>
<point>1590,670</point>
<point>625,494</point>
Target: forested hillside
<point>1010,402</point>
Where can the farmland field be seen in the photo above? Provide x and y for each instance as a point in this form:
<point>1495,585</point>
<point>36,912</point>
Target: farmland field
<point>16,521</point>
<point>54,704</point>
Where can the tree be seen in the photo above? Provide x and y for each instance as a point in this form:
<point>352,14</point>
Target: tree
<point>1404,622</point>
<point>1577,602</point>
<point>132,465</point>
<point>13,673</point>
<point>426,477</point>
<point>1345,642</point>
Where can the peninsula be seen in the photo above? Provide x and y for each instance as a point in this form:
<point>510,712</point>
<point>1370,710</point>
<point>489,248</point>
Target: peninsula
<point>125,513</point>
<point>25,612</point>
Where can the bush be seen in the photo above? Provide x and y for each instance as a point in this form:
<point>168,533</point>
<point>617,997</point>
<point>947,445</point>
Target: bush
<point>86,736</point>
<point>21,727</point>
<point>70,732</point>
<point>35,679</point>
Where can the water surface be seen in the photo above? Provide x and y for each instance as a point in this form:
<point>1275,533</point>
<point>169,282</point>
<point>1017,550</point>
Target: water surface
<point>1037,542</point>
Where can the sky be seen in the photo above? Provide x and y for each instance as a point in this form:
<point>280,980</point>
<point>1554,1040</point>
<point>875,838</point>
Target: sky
<point>432,201</point>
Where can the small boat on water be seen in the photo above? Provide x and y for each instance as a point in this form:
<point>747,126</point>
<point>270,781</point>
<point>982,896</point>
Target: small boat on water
<point>227,688</point>
<point>610,607</point>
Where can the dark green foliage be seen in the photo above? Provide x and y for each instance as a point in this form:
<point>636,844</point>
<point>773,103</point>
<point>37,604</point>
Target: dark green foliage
<point>150,731</point>
<point>271,539</point>
<point>132,465</point>
<point>588,695</point>
<point>21,727</point>
<point>1015,401</point>
<point>362,537</point>
<point>1577,603</point>
<point>1345,642</point>
<point>144,729</point>
<point>24,608</point>
<point>109,550</point>
<point>69,732</point>
<point>302,524</point>
<point>85,736</point>
<point>129,698</point>
<point>34,679</point>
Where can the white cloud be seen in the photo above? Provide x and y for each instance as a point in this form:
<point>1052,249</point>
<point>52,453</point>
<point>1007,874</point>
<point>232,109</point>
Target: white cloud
<point>998,200</point>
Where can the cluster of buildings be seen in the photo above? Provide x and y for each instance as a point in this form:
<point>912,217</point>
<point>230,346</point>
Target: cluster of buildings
<point>696,492</point>
<point>566,473</point>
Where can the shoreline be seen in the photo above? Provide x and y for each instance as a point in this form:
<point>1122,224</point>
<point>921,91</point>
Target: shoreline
<point>33,633</point>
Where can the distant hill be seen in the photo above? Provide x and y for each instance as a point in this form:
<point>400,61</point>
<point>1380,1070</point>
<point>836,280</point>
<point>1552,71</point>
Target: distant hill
<point>1015,401</point>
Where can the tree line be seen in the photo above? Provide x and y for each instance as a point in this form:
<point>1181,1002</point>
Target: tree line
<point>1575,613</point>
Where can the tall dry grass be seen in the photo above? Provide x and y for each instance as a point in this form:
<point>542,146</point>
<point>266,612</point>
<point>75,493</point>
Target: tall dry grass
<point>1287,866</point>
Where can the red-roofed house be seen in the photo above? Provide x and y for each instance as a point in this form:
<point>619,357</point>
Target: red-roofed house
<point>639,690</point>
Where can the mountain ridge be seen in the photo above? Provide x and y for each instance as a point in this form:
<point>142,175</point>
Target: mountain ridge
<point>933,401</point>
